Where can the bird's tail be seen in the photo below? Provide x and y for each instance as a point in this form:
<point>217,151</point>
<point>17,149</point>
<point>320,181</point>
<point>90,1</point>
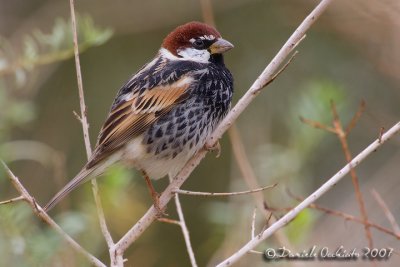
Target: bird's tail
<point>83,176</point>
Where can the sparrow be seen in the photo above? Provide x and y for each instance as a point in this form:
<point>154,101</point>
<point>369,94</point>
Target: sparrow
<point>165,112</point>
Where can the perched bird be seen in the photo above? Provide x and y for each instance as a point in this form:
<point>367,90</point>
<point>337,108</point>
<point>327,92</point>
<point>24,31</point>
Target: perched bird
<point>164,114</point>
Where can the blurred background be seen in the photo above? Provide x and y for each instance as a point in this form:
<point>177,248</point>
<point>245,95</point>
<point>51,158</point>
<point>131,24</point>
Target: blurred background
<point>350,54</point>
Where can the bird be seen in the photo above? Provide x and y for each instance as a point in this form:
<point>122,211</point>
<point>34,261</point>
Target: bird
<point>165,112</point>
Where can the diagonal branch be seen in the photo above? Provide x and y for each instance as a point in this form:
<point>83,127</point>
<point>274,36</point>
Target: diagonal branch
<point>343,215</point>
<point>288,217</point>
<point>38,211</point>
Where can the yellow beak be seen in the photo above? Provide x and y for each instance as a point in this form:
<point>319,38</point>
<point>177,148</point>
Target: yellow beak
<point>220,46</point>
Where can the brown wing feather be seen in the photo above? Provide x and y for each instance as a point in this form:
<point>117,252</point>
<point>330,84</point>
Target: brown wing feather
<point>132,117</point>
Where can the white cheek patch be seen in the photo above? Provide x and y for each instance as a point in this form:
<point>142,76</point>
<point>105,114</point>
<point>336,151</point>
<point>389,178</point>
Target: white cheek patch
<point>195,54</point>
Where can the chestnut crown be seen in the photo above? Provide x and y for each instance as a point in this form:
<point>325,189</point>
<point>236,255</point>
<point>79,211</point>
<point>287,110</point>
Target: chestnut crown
<point>195,40</point>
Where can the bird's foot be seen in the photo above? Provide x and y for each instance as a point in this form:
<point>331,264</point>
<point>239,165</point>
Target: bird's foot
<point>155,196</point>
<point>215,147</point>
<point>156,202</point>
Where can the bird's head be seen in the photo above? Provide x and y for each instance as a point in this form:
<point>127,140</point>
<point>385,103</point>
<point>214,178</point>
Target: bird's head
<point>196,41</point>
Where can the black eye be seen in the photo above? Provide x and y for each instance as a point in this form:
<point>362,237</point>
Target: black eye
<point>199,44</point>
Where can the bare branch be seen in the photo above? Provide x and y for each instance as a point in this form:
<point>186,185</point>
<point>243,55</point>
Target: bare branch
<point>356,117</point>
<point>38,211</point>
<point>288,217</point>
<point>381,131</point>
<point>317,125</point>
<point>184,229</point>
<point>210,194</point>
<point>85,128</point>
<point>386,210</point>
<point>284,66</point>
<point>341,134</point>
<point>253,223</point>
<point>346,216</point>
<point>8,201</point>
<point>170,221</point>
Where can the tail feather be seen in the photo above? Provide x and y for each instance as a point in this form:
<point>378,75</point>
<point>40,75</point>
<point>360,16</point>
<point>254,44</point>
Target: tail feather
<point>83,176</point>
<point>79,179</point>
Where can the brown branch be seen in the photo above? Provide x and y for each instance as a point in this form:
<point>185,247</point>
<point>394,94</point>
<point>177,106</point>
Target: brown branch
<point>341,134</point>
<point>343,215</point>
<point>317,125</point>
<point>39,212</point>
<point>338,130</point>
<point>356,117</point>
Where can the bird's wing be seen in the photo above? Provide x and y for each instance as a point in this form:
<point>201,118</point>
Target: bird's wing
<point>150,94</point>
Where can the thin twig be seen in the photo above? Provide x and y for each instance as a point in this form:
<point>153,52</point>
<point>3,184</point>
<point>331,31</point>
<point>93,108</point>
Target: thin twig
<point>341,134</point>
<point>317,125</point>
<point>38,211</point>
<point>170,221</point>
<point>381,131</point>
<point>288,217</point>
<point>185,230</point>
<point>85,128</point>
<point>8,201</point>
<point>386,210</point>
<point>284,66</point>
<point>253,223</point>
<point>346,216</point>
<point>210,194</point>
<point>136,231</point>
<point>356,117</point>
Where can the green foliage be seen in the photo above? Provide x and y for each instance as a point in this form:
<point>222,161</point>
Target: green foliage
<point>313,103</point>
<point>38,48</point>
<point>301,226</point>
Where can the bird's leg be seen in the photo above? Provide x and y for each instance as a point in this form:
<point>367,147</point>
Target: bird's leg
<point>154,195</point>
<point>216,147</point>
